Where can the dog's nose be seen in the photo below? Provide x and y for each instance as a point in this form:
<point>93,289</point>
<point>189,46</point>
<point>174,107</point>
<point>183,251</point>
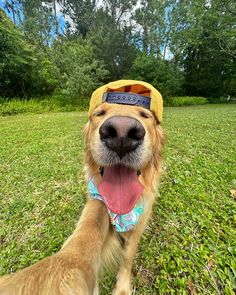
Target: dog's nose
<point>122,134</point>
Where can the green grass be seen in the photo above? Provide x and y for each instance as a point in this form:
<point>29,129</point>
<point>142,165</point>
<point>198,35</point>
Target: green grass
<point>178,101</point>
<point>190,244</point>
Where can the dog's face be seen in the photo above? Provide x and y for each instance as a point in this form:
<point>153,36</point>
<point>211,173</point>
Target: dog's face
<point>123,135</point>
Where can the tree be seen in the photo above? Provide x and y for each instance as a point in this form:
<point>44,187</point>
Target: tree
<point>81,14</point>
<point>154,21</point>
<point>225,33</point>
<point>79,72</point>
<point>203,75</point>
<point>112,45</point>
<point>162,74</point>
<point>24,69</point>
<point>196,41</point>
<point>120,11</point>
<point>10,5</point>
<point>37,22</point>
<point>16,59</point>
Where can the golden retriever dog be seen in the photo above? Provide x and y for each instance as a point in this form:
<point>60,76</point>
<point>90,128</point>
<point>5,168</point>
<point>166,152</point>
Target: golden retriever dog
<point>122,164</point>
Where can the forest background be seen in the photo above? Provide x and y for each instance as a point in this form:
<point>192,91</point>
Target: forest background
<point>58,52</point>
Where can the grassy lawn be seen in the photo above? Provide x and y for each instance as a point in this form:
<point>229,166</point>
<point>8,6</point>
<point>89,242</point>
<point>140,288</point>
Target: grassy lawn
<point>190,244</point>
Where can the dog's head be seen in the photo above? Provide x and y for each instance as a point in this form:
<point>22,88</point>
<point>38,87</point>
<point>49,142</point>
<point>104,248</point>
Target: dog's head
<point>123,140</point>
<point>124,135</point>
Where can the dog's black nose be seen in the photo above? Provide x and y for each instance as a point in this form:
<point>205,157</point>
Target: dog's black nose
<point>122,134</point>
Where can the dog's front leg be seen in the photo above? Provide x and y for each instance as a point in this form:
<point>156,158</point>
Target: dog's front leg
<point>123,284</point>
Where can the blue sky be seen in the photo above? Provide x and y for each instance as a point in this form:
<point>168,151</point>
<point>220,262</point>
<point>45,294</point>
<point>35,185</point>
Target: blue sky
<point>2,3</point>
<point>61,19</point>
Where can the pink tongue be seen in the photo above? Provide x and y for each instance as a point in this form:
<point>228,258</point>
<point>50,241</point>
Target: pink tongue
<point>120,188</point>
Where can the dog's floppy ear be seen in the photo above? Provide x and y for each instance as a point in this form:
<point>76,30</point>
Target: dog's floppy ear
<point>158,146</point>
<point>86,132</point>
<point>90,165</point>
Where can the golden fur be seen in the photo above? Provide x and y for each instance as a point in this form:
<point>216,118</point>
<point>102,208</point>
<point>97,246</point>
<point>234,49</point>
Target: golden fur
<point>74,270</point>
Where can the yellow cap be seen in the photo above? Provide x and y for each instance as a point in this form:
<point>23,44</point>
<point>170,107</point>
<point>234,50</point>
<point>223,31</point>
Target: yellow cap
<point>132,86</point>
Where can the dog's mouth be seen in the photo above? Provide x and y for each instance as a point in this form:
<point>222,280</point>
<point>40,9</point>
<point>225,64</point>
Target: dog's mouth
<point>120,188</point>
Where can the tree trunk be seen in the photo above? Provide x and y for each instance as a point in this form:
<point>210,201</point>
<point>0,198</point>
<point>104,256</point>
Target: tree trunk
<point>56,20</point>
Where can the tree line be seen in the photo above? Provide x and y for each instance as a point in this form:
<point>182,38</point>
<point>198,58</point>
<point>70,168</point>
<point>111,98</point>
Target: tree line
<point>70,47</point>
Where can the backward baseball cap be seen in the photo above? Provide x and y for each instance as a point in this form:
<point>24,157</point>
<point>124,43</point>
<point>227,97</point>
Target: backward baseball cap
<point>130,86</point>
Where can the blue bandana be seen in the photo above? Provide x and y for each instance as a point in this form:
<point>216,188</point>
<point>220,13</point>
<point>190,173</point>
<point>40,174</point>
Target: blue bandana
<point>122,222</point>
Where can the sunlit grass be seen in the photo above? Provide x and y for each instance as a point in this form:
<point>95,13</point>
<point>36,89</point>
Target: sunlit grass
<point>190,243</point>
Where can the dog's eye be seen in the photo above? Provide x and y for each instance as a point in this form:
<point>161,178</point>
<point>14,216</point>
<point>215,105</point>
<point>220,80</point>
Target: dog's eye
<point>99,113</point>
<point>145,115</point>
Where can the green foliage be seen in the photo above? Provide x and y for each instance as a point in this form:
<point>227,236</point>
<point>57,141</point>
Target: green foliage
<point>212,79</point>
<point>222,99</point>
<point>37,19</point>
<point>181,47</point>
<point>154,19</point>
<point>24,68</point>
<point>190,241</point>
<point>79,72</point>
<point>202,40</point>
<point>178,101</point>
<point>44,74</point>
<point>16,106</point>
<point>160,73</point>
<point>112,45</point>
<point>16,58</point>
<point>54,103</point>
<point>82,13</point>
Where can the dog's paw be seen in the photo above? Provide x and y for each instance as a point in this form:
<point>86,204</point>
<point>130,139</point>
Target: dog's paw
<point>122,291</point>
<point>123,283</point>
<point>96,290</point>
